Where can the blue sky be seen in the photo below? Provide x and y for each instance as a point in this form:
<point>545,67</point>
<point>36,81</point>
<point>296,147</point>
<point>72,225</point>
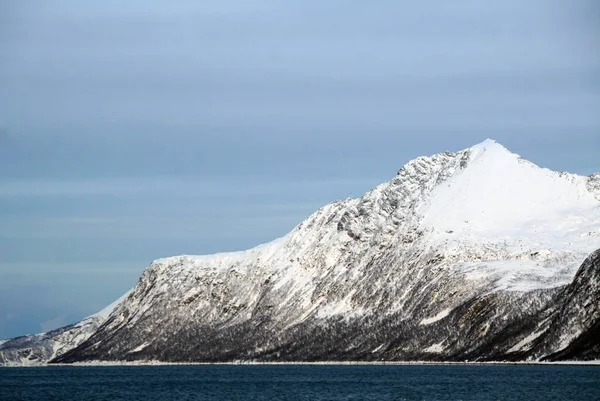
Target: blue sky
<point>136,130</point>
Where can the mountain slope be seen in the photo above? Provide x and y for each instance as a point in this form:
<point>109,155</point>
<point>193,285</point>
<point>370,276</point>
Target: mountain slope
<point>575,330</point>
<point>461,256</point>
<point>39,348</point>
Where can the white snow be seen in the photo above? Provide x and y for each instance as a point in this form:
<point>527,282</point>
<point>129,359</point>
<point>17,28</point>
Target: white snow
<point>521,275</point>
<point>435,348</point>
<point>379,348</point>
<point>507,209</point>
<point>499,195</point>
<point>567,338</point>
<point>522,345</point>
<point>435,318</point>
<point>224,260</point>
<point>140,348</point>
<point>339,308</point>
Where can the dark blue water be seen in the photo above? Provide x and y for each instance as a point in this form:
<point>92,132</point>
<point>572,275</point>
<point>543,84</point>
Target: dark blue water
<point>302,382</point>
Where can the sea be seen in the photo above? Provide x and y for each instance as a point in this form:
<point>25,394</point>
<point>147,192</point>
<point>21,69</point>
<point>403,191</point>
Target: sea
<point>302,382</point>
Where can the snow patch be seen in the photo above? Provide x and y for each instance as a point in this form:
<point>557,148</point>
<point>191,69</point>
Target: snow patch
<point>140,348</point>
<point>435,348</point>
<point>436,318</point>
<point>222,260</point>
<point>382,346</point>
<point>566,339</point>
<point>523,275</point>
<point>522,345</point>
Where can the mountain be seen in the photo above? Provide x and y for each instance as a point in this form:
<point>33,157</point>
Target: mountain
<point>474,255</point>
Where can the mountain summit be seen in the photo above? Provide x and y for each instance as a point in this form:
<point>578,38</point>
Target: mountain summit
<point>473,255</point>
<point>501,194</point>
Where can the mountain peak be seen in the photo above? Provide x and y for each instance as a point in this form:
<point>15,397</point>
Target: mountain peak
<point>489,146</point>
<point>499,194</point>
<point>487,143</point>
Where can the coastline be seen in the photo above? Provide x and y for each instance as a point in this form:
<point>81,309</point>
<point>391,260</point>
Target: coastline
<point>317,363</point>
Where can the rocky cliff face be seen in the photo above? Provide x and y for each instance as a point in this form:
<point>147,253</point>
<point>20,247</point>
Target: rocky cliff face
<point>462,256</point>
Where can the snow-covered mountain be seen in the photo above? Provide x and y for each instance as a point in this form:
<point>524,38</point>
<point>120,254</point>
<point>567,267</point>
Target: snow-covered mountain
<point>471,255</point>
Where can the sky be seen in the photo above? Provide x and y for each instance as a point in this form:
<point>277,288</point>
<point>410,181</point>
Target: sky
<point>136,130</point>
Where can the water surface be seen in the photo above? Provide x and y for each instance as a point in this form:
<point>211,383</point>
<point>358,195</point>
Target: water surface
<point>301,382</point>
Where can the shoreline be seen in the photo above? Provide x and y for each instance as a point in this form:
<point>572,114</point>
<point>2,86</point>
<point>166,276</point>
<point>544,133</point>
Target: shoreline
<point>317,363</point>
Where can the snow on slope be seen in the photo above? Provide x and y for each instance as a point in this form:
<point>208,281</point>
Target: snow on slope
<point>500,195</point>
<point>513,206</point>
